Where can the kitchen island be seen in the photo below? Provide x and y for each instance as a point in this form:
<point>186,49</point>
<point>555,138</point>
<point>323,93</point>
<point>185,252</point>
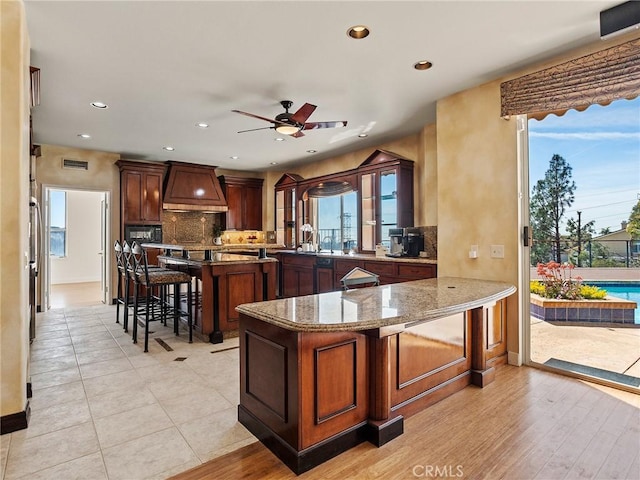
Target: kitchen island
<point>321,373</point>
<point>226,281</point>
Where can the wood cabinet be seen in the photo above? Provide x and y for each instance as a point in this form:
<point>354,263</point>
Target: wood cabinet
<point>140,193</point>
<point>386,197</point>
<point>285,214</point>
<point>244,199</point>
<point>307,274</point>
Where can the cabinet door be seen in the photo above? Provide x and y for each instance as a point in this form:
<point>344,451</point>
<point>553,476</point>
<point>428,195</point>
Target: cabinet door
<point>151,203</point>
<point>369,212</point>
<point>233,195</point>
<point>132,198</point>
<point>324,280</point>
<point>253,208</point>
<point>296,281</point>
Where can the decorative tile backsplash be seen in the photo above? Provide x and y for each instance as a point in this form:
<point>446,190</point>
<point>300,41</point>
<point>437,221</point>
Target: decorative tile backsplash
<point>430,241</point>
<point>197,227</point>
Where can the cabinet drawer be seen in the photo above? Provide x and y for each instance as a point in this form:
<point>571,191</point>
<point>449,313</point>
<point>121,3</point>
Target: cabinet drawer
<point>345,266</point>
<point>416,271</point>
<point>298,260</point>
<point>381,268</point>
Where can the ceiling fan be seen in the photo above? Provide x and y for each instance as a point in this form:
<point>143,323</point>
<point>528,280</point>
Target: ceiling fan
<point>292,123</point>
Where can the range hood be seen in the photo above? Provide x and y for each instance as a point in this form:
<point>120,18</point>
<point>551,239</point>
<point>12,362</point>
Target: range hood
<point>192,187</point>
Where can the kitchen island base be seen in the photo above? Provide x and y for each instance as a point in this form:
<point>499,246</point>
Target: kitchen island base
<point>311,395</point>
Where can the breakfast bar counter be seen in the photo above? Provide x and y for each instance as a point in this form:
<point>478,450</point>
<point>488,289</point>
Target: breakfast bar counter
<point>322,373</point>
<point>227,280</point>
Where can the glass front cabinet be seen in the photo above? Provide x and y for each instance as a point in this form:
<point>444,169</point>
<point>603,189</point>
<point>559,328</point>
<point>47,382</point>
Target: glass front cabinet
<point>285,215</point>
<point>386,197</point>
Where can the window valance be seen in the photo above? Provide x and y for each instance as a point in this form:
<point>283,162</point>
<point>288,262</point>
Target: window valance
<point>600,77</point>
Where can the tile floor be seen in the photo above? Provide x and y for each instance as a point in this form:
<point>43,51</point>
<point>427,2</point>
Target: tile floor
<point>103,409</point>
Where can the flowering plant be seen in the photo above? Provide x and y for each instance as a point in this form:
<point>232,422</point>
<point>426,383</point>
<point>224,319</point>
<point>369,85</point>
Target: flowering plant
<point>307,233</point>
<point>557,281</point>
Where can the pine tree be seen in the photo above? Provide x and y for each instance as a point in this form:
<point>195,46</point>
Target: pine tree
<point>549,199</point>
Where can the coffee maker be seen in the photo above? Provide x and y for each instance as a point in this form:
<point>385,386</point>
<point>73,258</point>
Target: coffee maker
<point>405,242</point>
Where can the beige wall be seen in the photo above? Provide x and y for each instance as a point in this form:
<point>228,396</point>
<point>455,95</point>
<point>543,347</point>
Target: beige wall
<point>103,174</point>
<point>14,208</point>
<point>477,191</point>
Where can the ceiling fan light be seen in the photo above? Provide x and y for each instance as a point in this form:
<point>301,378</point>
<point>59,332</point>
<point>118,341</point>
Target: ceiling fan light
<point>287,129</point>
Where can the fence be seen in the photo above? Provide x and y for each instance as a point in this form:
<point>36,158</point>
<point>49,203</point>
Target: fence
<point>591,253</point>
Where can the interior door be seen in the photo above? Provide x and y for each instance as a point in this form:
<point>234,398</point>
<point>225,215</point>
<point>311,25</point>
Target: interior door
<point>104,249</point>
<point>45,280</point>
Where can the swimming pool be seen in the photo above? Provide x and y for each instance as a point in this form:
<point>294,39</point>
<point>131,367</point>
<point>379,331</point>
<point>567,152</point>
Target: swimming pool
<point>625,290</point>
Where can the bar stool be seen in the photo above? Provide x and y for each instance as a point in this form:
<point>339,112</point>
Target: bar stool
<point>157,306</point>
<point>123,283</point>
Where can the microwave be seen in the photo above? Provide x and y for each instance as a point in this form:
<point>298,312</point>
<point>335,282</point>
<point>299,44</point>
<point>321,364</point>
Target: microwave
<point>143,233</point>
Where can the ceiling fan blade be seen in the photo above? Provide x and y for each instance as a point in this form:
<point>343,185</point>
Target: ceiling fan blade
<point>314,125</point>
<point>254,129</point>
<point>298,134</point>
<point>255,116</point>
<point>303,113</point>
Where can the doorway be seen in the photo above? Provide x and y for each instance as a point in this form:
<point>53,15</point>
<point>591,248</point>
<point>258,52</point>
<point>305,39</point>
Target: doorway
<point>76,256</point>
<point>601,146</point>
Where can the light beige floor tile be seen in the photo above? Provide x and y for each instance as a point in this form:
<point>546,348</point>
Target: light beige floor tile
<point>96,345</point>
<point>56,377</point>
<point>135,423</point>
<point>89,467</point>
<point>47,343</point>
<point>56,363</point>
<point>99,369</point>
<point>5,441</point>
<point>196,404</point>
<point>51,327</point>
<point>31,455</point>
<point>92,337</point>
<point>175,386</point>
<point>50,396</point>
<point>209,434</point>
<point>52,335</point>
<point>102,355</point>
<point>53,352</point>
<point>56,417</point>
<point>121,381</point>
<point>148,456</point>
<point>120,401</point>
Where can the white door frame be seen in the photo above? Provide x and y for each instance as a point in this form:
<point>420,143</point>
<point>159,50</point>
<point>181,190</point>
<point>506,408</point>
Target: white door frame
<point>105,213</point>
<point>524,248</point>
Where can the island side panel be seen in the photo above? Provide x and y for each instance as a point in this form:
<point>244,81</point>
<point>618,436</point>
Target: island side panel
<point>429,362</point>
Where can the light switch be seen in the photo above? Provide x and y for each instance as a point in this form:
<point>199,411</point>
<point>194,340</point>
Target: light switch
<point>497,251</point>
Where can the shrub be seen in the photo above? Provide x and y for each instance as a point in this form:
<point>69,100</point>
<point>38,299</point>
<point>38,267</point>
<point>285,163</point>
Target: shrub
<point>591,292</point>
<point>557,281</point>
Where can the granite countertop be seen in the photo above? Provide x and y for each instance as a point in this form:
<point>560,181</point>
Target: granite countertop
<point>198,247</point>
<point>217,259</point>
<point>360,256</point>
<point>376,307</point>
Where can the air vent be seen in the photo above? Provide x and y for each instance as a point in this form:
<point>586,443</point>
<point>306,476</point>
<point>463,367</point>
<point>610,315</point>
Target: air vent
<point>75,164</point>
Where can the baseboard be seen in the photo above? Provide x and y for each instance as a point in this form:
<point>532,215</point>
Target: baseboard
<point>15,421</point>
<point>514,358</point>
<point>29,390</point>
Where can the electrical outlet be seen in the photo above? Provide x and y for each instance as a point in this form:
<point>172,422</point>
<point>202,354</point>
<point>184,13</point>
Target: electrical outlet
<point>497,251</point>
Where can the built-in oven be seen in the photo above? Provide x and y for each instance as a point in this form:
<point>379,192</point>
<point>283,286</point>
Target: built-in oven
<point>143,233</point>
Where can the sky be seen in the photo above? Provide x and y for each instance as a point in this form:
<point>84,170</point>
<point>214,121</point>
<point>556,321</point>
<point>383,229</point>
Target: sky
<point>602,145</point>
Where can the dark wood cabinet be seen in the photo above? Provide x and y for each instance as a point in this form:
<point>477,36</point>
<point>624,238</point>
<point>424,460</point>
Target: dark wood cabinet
<point>244,199</point>
<point>386,197</point>
<point>140,193</point>
<point>303,274</point>
<point>285,215</point>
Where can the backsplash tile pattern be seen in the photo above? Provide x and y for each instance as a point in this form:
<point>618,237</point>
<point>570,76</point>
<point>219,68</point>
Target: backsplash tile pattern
<point>197,227</point>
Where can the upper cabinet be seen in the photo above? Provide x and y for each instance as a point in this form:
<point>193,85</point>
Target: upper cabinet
<point>244,199</point>
<point>141,192</point>
<point>285,215</point>
<point>386,197</point>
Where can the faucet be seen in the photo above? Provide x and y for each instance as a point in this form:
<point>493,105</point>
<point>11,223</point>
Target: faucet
<point>330,241</point>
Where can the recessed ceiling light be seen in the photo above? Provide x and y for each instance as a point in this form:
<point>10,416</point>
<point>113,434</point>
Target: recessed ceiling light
<point>273,163</point>
<point>363,135</point>
<point>358,32</point>
<point>312,151</point>
<point>169,149</point>
<point>202,125</point>
<point>84,135</point>
<point>234,157</point>
<point>279,139</point>
<point>99,105</point>
<point>423,65</point>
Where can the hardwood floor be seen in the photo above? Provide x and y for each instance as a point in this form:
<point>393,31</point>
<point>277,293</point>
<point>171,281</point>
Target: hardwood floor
<point>528,424</point>
<point>65,295</point>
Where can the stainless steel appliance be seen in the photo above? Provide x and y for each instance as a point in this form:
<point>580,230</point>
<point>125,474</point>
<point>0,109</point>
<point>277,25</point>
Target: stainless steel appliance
<point>35,260</point>
<point>405,242</point>
<point>143,233</point>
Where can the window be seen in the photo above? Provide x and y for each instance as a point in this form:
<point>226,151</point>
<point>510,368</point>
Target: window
<point>337,220</point>
<point>58,226</point>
